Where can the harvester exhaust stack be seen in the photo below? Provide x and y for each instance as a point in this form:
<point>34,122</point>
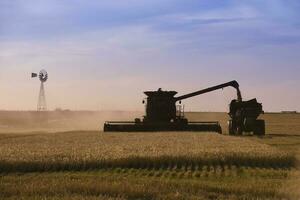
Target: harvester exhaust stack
<point>163,114</point>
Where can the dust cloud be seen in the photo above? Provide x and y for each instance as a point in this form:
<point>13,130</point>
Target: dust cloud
<point>56,121</point>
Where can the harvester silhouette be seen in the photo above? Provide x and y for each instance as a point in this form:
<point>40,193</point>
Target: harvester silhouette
<point>163,114</point>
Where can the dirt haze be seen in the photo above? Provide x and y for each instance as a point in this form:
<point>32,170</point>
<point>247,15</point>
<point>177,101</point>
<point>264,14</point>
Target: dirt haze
<point>55,121</point>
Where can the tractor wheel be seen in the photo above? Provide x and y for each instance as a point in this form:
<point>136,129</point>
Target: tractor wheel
<point>230,127</point>
<point>259,128</point>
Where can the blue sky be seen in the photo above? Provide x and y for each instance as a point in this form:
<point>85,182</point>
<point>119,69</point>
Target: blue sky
<point>103,54</point>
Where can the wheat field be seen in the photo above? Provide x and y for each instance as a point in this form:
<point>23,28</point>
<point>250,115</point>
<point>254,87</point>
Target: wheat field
<point>169,165</point>
<point>95,150</point>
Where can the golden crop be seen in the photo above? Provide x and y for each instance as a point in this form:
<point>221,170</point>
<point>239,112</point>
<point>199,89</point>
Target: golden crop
<point>91,150</point>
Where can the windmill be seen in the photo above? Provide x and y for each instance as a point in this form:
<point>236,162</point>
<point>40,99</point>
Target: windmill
<point>43,77</point>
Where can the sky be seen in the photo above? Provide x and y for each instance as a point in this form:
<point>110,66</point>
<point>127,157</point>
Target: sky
<point>102,55</point>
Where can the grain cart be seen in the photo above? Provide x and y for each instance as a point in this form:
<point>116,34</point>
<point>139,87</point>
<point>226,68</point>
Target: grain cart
<point>163,114</point>
<point>243,117</point>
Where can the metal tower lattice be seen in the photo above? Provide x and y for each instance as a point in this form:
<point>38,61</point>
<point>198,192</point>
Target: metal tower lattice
<point>43,76</point>
<point>42,104</point>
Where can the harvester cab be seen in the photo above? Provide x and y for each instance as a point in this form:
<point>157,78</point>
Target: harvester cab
<point>163,114</point>
<point>160,106</point>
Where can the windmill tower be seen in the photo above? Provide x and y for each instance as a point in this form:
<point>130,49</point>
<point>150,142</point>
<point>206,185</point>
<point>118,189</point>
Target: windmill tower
<point>43,77</point>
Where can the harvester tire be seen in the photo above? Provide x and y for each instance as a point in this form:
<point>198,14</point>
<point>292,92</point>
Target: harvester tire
<point>230,127</point>
<point>239,130</point>
<point>259,128</point>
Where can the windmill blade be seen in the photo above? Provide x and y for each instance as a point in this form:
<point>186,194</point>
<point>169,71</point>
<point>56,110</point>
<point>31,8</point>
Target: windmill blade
<point>43,75</point>
<point>33,75</point>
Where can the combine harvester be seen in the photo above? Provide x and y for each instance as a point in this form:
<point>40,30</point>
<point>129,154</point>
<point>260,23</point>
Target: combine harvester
<point>163,114</point>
